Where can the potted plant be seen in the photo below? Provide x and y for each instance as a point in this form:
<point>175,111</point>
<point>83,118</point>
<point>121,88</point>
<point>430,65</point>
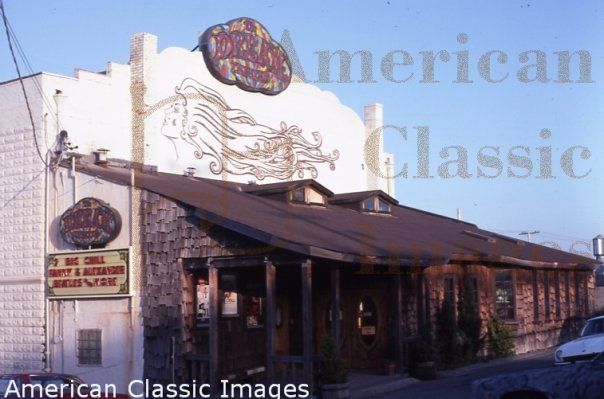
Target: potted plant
<point>424,355</point>
<point>389,367</point>
<point>333,377</point>
<point>388,363</point>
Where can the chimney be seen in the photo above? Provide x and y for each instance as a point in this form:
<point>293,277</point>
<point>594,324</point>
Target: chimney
<point>190,171</point>
<point>100,156</point>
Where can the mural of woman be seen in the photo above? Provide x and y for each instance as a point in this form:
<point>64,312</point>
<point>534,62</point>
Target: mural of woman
<point>235,143</point>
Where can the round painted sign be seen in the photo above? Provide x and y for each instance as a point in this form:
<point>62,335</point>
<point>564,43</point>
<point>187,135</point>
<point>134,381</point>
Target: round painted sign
<point>243,53</point>
<point>90,222</point>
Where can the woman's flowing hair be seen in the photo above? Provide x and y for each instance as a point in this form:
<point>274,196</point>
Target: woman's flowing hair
<point>237,144</point>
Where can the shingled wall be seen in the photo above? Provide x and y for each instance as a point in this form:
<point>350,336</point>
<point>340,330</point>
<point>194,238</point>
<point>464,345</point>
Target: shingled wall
<point>531,332</point>
<point>173,237</point>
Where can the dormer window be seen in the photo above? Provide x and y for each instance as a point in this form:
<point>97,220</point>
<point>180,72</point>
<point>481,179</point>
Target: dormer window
<point>376,201</point>
<point>298,195</point>
<point>376,204</point>
<point>307,195</point>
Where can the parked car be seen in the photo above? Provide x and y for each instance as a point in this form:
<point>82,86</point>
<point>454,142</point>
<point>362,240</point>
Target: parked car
<point>73,387</point>
<point>576,381</point>
<point>587,346</point>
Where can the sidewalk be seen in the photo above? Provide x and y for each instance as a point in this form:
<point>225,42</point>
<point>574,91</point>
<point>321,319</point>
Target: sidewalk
<point>461,371</point>
<point>370,384</point>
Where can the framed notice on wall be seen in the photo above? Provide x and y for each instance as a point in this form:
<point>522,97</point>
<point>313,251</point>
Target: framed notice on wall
<point>202,300</point>
<point>230,299</point>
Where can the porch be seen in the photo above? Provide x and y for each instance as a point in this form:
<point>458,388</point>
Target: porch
<point>282,307</point>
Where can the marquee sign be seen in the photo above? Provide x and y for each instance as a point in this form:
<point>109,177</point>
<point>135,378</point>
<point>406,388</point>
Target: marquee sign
<point>90,273</point>
<point>243,53</point>
<point>90,222</point>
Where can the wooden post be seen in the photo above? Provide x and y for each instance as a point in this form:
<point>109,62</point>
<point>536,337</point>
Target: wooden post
<point>419,286</point>
<point>307,329</point>
<point>213,277</point>
<point>270,321</point>
<point>335,308</point>
<point>400,354</point>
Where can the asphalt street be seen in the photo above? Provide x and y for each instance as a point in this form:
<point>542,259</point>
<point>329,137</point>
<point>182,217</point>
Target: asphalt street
<point>457,384</point>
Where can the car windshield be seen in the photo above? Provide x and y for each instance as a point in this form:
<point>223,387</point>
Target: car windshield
<point>58,381</point>
<point>593,327</point>
<point>5,381</point>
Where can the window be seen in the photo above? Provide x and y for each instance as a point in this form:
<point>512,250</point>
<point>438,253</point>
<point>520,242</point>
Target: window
<point>548,312</point>
<point>383,206</point>
<point>369,205</point>
<point>254,311</point>
<point>535,284</point>
<point>593,327</point>
<point>89,347</point>
<point>557,294</point>
<point>202,300</point>
<point>473,285</point>
<point>449,291</point>
<point>567,291</point>
<point>307,195</point>
<point>367,321</point>
<point>578,303</point>
<point>504,294</point>
<point>376,204</point>
<point>298,195</point>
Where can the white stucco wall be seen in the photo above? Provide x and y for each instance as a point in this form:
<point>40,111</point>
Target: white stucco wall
<point>119,319</point>
<point>100,110</point>
<point>92,112</point>
<point>303,105</point>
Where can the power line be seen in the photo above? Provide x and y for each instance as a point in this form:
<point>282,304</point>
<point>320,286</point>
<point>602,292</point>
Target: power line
<point>31,72</point>
<point>10,46</point>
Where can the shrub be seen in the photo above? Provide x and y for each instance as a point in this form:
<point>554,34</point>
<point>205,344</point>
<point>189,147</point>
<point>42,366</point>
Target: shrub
<point>500,337</point>
<point>469,323</point>
<point>332,366</point>
<point>447,336</point>
<point>424,350</point>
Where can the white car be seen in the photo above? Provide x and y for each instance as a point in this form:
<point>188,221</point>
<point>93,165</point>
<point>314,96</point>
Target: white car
<point>587,346</point>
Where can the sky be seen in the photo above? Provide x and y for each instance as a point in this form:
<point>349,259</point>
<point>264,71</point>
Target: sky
<point>465,119</point>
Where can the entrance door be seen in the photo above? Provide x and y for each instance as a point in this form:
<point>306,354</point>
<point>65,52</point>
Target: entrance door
<point>369,332</point>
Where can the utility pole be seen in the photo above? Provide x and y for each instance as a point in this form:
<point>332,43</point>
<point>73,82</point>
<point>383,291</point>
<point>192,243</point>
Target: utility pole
<point>528,233</point>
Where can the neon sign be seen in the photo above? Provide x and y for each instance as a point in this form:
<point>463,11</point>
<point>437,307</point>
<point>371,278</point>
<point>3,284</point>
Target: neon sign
<point>243,53</point>
<point>89,222</point>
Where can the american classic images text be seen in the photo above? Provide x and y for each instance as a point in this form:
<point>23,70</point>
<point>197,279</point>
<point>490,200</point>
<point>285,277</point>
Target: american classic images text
<point>144,389</point>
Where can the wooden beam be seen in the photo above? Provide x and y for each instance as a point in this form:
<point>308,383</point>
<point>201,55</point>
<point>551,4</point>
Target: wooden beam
<point>213,277</point>
<point>400,354</point>
<point>335,307</point>
<point>307,329</point>
<point>270,321</point>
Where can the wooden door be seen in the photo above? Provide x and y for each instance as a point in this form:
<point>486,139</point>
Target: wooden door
<point>369,331</point>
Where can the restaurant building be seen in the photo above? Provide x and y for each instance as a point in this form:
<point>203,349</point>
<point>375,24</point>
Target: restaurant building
<point>202,219</point>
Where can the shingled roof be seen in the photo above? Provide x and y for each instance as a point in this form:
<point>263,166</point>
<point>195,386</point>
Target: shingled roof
<point>407,236</point>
